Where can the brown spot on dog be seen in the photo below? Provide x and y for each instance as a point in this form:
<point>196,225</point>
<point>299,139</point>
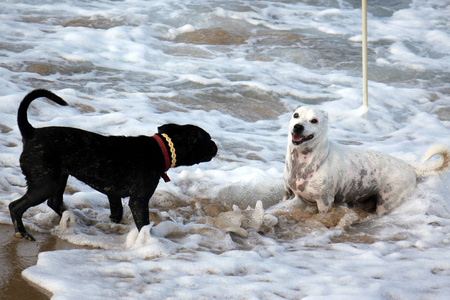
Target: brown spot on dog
<point>302,187</point>
<point>306,151</point>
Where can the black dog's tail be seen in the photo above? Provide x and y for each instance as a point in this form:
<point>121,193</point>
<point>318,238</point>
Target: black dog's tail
<point>25,127</point>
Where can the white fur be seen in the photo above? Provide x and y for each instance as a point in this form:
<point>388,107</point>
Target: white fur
<point>322,172</point>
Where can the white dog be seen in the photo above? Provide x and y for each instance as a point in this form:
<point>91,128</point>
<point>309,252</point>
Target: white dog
<point>321,172</point>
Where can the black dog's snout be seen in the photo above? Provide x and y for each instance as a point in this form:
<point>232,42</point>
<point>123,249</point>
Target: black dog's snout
<point>214,148</point>
<point>298,128</point>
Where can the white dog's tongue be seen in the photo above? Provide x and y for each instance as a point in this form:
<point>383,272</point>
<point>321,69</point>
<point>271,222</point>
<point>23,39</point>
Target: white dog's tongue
<point>297,137</point>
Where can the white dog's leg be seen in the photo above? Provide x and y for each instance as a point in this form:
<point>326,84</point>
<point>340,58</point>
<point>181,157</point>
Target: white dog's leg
<point>387,202</point>
<point>324,206</point>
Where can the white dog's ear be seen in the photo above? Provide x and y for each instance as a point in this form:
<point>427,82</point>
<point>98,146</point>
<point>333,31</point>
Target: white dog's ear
<point>325,116</point>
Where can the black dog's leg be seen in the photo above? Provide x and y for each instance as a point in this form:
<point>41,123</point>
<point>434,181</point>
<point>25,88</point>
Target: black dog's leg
<point>56,200</point>
<point>139,209</point>
<point>34,196</point>
<point>115,204</point>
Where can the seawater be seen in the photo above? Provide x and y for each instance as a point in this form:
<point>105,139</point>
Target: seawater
<point>237,69</point>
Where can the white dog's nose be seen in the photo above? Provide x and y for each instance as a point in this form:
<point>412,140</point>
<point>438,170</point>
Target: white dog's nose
<point>298,128</point>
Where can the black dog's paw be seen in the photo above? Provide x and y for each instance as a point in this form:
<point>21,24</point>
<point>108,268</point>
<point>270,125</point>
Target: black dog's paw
<point>25,235</point>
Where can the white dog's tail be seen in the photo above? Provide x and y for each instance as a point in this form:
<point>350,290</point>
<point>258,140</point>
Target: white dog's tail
<point>437,166</point>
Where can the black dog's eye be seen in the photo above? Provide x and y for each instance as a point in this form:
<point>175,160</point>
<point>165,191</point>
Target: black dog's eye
<point>295,116</point>
<point>314,121</point>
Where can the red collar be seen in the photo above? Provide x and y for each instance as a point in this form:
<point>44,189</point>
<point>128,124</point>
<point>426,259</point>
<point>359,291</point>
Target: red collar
<point>166,156</point>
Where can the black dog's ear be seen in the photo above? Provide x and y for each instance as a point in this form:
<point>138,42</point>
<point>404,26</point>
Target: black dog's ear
<point>165,128</point>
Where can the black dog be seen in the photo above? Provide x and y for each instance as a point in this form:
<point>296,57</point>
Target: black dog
<point>117,166</point>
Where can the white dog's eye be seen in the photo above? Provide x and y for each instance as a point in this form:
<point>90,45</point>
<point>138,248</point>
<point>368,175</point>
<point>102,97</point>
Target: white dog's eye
<point>295,116</point>
<point>314,121</point>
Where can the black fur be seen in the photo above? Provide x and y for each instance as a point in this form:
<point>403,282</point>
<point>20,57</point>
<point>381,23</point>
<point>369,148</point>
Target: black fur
<point>116,166</point>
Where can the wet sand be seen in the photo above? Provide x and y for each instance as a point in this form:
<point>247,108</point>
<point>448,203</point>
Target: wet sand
<point>16,255</point>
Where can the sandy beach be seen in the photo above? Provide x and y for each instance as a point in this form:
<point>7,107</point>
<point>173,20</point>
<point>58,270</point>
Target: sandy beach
<point>17,255</point>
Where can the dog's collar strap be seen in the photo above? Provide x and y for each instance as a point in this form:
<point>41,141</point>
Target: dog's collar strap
<point>165,153</point>
<point>172,150</point>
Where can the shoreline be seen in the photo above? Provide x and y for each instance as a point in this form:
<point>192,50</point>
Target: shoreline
<point>16,255</point>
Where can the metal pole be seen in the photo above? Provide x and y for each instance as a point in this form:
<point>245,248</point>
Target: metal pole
<point>364,54</point>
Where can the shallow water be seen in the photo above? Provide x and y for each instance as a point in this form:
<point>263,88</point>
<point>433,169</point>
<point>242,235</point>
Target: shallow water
<point>237,69</point>
<point>17,255</point>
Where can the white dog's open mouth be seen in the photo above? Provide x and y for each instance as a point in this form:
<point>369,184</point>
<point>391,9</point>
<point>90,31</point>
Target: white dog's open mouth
<point>298,139</point>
